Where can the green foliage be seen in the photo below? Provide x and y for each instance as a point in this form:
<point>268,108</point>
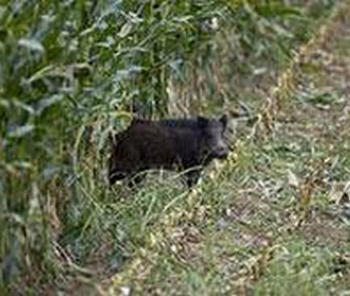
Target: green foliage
<point>70,71</point>
<point>294,270</point>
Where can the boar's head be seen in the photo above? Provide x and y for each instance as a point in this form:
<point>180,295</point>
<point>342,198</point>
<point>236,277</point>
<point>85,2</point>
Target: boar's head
<point>212,142</point>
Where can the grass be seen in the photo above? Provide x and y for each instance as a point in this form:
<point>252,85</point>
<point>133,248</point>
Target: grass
<point>266,231</point>
<point>267,221</point>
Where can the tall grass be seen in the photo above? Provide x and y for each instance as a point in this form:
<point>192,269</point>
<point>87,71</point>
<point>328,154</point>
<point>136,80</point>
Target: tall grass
<point>70,71</point>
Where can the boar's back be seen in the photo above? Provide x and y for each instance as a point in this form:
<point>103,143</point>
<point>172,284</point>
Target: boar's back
<point>149,145</point>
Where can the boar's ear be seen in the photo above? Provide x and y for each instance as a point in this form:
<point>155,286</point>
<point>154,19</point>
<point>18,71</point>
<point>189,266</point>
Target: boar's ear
<point>223,119</point>
<point>202,122</point>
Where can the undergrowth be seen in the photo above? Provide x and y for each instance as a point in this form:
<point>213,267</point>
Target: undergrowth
<point>71,71</point>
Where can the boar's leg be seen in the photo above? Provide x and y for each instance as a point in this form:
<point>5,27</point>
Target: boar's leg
<point>192,177</point>
<point>136,179</point>
<point>116,176</point>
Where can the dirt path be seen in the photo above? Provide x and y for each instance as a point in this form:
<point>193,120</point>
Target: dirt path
<point>276,221</point>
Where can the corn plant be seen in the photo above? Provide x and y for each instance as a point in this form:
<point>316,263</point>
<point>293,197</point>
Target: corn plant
<point>70,72</point>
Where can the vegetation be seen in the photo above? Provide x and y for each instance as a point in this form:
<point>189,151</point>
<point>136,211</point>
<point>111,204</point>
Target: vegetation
<point>270,220</point>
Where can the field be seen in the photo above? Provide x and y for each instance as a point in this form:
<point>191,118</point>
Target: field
<point>273,219</point>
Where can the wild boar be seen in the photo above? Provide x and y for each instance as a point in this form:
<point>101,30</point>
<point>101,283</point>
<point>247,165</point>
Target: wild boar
<point>171,144</point>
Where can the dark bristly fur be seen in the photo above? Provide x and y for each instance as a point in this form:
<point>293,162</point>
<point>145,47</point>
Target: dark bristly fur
<point>186,144</point>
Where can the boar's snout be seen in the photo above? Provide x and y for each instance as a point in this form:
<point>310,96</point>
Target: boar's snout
<point>221,152</point>
<point>218,148</point>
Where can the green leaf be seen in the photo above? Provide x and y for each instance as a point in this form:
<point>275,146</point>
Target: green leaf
<point>21,131</point>
<point>32,44</point>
